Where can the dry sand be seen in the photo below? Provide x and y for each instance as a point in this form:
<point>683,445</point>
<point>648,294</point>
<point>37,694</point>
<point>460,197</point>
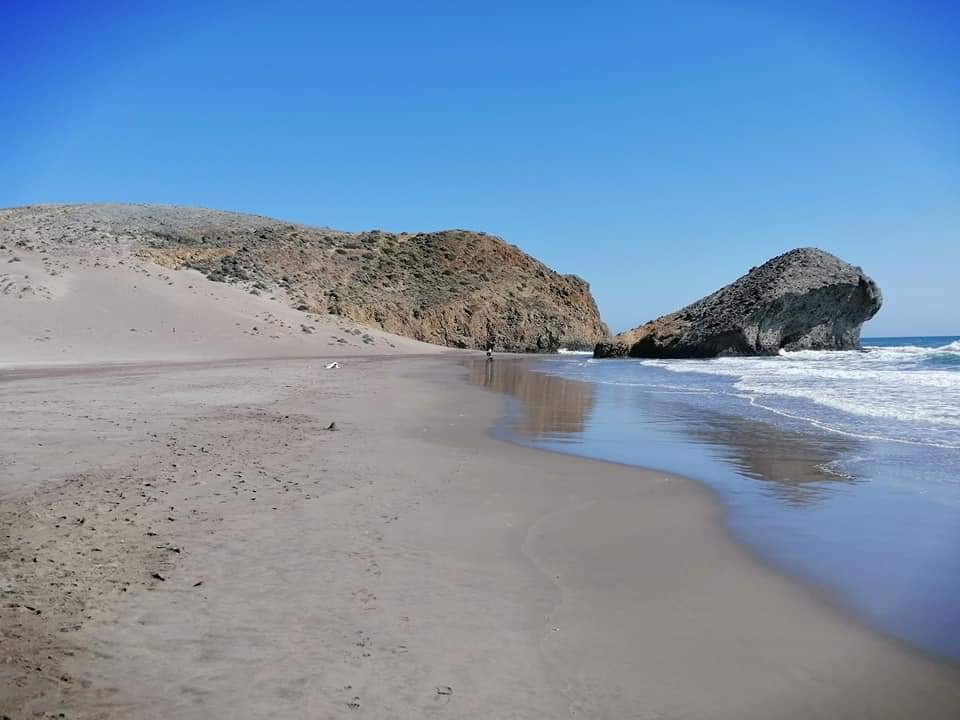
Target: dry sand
<point>108,307</point>
<point>189,540</point>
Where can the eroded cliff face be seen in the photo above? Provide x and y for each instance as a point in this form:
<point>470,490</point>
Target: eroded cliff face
<point>456,288</point>
<point>806,299</point>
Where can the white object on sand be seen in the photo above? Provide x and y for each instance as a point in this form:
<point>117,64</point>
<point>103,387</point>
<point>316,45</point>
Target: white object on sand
<point>332,366</point>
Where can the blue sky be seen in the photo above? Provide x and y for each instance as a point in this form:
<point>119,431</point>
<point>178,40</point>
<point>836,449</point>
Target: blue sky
<point>658,149</point>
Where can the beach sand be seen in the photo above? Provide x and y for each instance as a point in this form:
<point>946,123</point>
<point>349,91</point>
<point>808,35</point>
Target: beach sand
<point>189,540</point>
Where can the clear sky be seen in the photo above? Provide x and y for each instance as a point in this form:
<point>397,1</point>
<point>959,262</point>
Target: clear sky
<point>658,149</point>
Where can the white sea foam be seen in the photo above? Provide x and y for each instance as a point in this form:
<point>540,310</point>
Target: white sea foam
<point>912,384</point>
<point>906,393</point>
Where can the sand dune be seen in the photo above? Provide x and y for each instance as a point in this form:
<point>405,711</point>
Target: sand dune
<point>87,307</point>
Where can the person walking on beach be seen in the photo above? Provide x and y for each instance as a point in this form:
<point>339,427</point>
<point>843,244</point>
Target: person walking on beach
<point>489,351</point>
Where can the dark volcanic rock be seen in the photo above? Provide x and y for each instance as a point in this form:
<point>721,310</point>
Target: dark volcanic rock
<point>611,349</point>
<point>805,299</point>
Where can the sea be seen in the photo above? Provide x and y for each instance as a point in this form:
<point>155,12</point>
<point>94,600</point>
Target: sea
<point>840,468</point>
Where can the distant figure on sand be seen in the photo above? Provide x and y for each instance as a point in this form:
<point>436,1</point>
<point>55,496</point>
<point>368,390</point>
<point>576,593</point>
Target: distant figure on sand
<point>490,351</point>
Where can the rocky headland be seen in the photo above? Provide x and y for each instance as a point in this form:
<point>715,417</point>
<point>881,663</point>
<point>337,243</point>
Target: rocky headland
<point>805,299</point>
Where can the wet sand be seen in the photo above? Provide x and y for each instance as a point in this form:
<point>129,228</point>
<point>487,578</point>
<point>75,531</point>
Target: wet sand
<point>861,521</point>
<point>192,542</point>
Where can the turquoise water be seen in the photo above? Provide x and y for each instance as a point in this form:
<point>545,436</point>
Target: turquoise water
<point>842,468</point>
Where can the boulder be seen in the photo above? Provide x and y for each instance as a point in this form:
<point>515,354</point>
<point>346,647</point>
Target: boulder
<point>805,299</point>
<point>611,349</point>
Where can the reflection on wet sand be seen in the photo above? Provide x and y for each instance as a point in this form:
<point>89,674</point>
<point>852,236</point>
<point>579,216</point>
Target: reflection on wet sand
<point>550,407</point>
<point>800,468</point>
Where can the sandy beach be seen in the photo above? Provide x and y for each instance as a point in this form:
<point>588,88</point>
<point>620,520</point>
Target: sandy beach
<point>515,361</point>
<point>190,541</point>
<point>199,519</point>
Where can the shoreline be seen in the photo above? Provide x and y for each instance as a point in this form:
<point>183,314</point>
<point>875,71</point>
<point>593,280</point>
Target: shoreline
<point>869,521</point>
<point>817,592</point>
<point>521,584</point>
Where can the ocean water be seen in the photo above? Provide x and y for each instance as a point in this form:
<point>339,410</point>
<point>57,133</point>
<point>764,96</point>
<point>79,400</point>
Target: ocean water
<point>842,468</point>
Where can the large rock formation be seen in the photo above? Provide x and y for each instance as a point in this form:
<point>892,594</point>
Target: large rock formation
<point>455,287</point>
<point>805,299</point>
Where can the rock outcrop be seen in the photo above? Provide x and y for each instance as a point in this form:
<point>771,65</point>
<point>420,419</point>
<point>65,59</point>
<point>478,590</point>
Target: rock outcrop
<point>454,287</point>
<point>806,299</point>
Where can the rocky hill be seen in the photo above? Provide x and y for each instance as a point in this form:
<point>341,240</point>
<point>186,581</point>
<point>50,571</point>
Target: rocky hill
<point>455,287</point>
<point>806,299</point>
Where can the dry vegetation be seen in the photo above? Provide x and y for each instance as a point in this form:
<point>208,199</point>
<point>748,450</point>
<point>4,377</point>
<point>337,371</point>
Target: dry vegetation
<point>455,287</point>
